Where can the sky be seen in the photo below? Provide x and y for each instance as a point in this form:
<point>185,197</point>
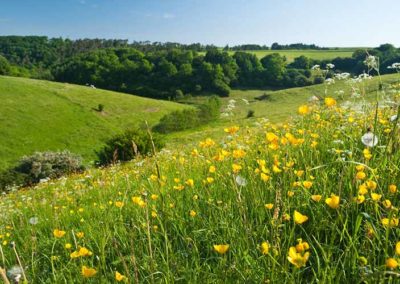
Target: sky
<point>334,23</point>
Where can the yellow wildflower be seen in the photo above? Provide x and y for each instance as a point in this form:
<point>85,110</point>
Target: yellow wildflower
<point>58,233</point>
<point>316,197</point>
<point>264,248</point>
<point>333,201</point>
<point>299,218</point>
<point>88,272</point>
<point>221,249</point>
<point>391,263</point>
<point>330,102</point>
<point>119,277</point>
<point>303,109</point>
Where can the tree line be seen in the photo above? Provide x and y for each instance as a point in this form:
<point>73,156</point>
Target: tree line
<point>167,71</point>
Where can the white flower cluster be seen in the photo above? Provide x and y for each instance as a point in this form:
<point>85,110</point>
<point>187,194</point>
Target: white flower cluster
<point>342,76</point>
<point>330,66</point>
<point>229,108</point>
<point>395,65</point>
<point>372,62</point>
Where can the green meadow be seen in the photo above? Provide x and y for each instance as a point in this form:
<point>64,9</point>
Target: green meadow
<point>40,115</point>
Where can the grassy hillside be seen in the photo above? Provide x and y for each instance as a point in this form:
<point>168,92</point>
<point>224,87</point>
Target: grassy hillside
<point>39,115</point>
<point>301,201</point>
<point>279,105</point>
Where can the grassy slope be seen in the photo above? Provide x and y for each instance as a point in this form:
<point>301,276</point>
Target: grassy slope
<point>157,238</point>
<point>39,115</point>
<point>282,104</point>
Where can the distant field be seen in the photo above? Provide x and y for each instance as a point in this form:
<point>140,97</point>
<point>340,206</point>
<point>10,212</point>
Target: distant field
<point>39,115</point>
<point>314,54</point>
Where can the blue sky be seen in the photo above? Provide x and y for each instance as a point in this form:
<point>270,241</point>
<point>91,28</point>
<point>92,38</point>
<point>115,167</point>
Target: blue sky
<point>220,22</point>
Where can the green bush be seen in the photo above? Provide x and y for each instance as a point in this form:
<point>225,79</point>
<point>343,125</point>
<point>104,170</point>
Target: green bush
<point>125,146</point>
<point>250,113</point>
<point>189,118</point>
<point>41,165</point>
<point>4,66</point>
<point>11,178</point>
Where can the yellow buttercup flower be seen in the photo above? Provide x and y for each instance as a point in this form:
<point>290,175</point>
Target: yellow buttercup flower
<point>139,201</point>
<point>264,248</point>
<point>299,218</point>
<point>269,206</point>
<point>264,177</point>
<point>303,109</point>
<point>58,233</point>
<point>80,235</point>
<point>119,277</point>
<point>237,154</point>
<point>88,272</point>
<point>221,249</point>
<point>316,197</point>
<point>236,168</point>
<point>333,201</point>
<point>330,102</point>
<point>192,213</point>
<point>367,154</point>
<point>362,189</point>
<point>190,182</point>
<point>393,188</point>
<point>392,222</point>
<point>307,184</point>
<point>232,130</point>
<point>119,204</point>
<point>360,199</point>
<point>391,263</point>
<point>371,184</point>
<point>387,203</point>
<point>212,169</point>
<point>297,259</point>
<point>376,197</point>
<point>360,175</point>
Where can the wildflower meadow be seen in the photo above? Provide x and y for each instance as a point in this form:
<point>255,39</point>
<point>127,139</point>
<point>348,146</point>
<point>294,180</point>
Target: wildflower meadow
<point>311,199</point>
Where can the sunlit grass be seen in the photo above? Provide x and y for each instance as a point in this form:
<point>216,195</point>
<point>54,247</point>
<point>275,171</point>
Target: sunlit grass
<point>300,200</point>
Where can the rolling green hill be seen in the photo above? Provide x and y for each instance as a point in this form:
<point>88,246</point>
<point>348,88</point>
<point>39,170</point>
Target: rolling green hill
<point>39,115</point>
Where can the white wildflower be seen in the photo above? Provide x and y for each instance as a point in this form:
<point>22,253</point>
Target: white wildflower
<point>329,81</point>
<point>240,181</point>
<point>330,66</point>
<point>369,139</point>
<point>33,220</point>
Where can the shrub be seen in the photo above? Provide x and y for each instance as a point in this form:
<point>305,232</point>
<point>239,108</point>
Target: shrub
<point>189,118</point>
<point>250,113</point>
<point>125,146</point>
<point>11,178</point>
<point>100,108</point>
<point>41,165</point>
<point>4,66</point>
